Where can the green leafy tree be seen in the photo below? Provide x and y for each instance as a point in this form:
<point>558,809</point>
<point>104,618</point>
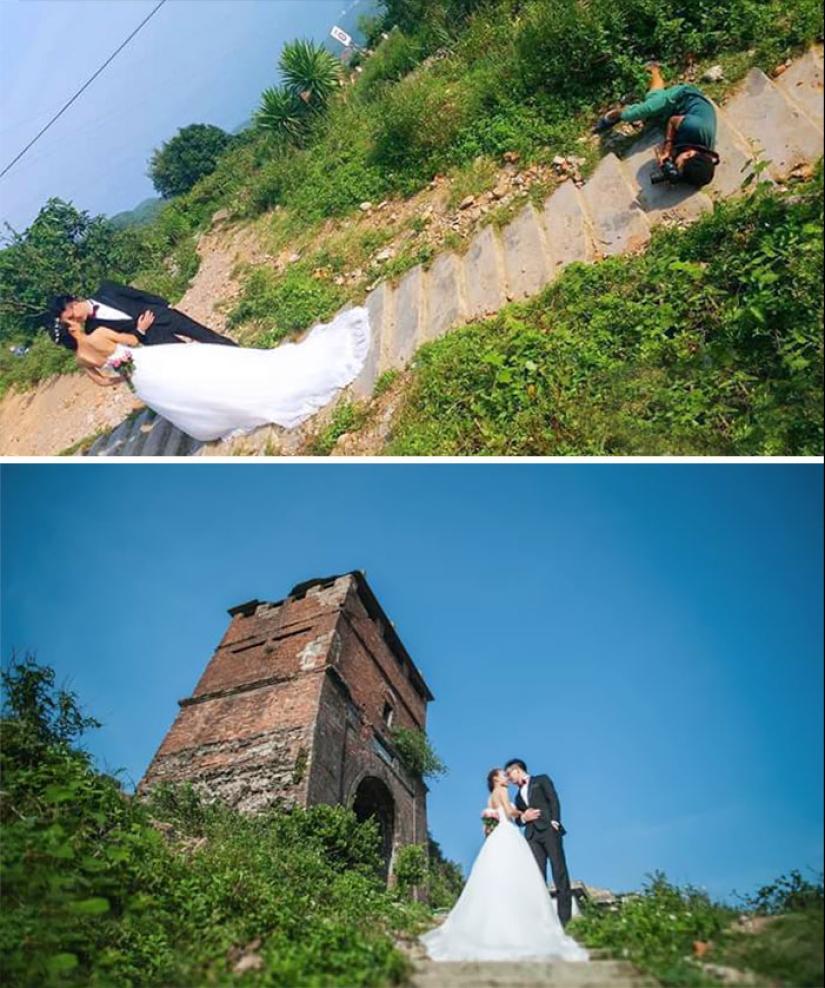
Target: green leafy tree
<point>191,155</point>
<point>64,250</point>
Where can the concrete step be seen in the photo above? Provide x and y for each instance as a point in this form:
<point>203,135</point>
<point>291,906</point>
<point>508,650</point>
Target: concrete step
<point>779,131</point>
<point>736,158</point>
<point>527,974</point>
<point>485,283</point>
<point>379,304</point>
<point>446,297</point>
<point>410,304</point>
<point>618,222</point>
<point>116,439</point>
<point>803,84</point>
<point>527,263</point>
<point>568,235</point>
<point>142,427</point>
<point>158,438</point>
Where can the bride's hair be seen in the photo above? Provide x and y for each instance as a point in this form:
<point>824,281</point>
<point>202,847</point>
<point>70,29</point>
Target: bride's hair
<point>491,777</point>
<point>61,336</point>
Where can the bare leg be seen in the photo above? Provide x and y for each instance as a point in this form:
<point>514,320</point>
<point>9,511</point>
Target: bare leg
<point>656,80</point>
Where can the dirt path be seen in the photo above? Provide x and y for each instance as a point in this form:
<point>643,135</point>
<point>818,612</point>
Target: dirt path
<point>59,413</point>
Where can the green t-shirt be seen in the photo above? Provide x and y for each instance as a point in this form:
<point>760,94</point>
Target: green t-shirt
<point>699,124</point>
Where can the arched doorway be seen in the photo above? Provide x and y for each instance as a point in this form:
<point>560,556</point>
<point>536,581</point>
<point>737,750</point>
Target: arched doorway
<point>373,799</point>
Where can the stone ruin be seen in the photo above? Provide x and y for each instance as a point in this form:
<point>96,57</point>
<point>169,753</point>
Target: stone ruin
<point>296,708</point>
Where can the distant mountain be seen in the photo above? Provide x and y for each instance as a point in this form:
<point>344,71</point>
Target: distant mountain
<point>140,215</point>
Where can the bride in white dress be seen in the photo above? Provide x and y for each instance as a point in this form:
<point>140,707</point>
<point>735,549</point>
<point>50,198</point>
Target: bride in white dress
<point>505,911</point>
<point>213,392</point>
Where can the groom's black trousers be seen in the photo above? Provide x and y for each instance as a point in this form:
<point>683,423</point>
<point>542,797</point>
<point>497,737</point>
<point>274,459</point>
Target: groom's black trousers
<point>547,845</point>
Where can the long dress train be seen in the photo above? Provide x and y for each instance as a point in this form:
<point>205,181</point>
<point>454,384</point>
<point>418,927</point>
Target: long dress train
<point>214,392</point>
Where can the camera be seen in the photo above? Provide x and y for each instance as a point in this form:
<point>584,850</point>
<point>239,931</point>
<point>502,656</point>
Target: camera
<point>669,173</point>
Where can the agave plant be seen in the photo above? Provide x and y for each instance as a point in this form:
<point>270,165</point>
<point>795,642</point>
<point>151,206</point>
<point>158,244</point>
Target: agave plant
<point>310,73</point>
<point>281,113</point>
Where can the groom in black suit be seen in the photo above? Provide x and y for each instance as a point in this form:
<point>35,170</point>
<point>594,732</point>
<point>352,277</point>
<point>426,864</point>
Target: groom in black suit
<point>120,306</point>
<point>540,809</point>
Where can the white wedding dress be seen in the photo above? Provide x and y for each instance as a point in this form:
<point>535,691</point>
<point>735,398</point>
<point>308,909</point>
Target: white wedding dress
<point>213,392</point>
<point>505,912</point>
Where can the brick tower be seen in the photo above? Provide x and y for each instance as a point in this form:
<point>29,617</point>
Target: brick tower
<point>295,708</point>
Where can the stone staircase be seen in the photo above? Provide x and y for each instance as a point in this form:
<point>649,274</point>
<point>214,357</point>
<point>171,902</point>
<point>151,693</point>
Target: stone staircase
<point>779,122</point>
<point>559,974</point>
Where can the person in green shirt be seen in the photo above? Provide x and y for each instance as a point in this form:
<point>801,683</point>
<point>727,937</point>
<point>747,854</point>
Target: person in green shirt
<point>688,153</point>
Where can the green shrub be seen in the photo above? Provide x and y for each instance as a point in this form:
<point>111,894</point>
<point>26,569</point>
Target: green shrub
<point>334,175</point>
<point>417,754</point>
<point>787,951</point>
<point>410,867</point>
<point>789,893</point>
<point>408,142</point>
<point>656,930</point>
<point>42,361</point>
<point>347,417</point>
<point>395,58</point>
<point>280,305</point>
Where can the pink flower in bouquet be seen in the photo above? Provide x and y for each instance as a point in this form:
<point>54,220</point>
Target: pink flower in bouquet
<point>490,820</point>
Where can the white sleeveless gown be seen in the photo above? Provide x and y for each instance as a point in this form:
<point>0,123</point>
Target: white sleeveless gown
<point>213,392</point>
<point>505,912</point>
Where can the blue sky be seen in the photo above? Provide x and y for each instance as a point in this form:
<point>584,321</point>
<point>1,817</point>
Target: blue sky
<point>649,635</point>
<point>196,61</point>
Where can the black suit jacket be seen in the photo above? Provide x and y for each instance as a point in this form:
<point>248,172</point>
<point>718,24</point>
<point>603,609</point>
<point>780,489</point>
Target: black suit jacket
<point>168,324</point>
<point>543,797</point>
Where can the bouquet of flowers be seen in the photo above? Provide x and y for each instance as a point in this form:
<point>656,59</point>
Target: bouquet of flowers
<point>124,366</point>
<point>490,820</point>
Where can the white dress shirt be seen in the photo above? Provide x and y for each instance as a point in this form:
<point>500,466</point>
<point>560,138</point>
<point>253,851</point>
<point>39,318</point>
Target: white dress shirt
<point>524,790</point>
<point>107,312</point>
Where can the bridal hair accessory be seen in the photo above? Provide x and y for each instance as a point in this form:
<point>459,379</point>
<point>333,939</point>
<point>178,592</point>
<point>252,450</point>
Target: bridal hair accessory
<point>490,820</point>
<point>125,367</point>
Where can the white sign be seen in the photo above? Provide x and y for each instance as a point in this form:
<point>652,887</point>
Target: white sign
<point>342,36</point>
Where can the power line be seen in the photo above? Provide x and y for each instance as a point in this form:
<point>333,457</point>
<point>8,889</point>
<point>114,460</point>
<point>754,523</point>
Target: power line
<point>82,88</point>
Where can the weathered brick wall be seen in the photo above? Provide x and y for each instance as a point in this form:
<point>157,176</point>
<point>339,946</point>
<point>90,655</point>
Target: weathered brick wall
<point>290,707</point>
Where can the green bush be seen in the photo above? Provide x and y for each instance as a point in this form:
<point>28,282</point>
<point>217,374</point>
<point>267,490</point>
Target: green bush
<point>417,754</point>
<point>410,867</point>
<point>409,143</point>
<point>335,175</point>
<point>42,361</point>
<point>279,305</point>
<point>656,930</point>
<point>787,951</point>
<point>395,58</point>
<point>789,893</point>
<point>711,343</point>
<point>347,417</point>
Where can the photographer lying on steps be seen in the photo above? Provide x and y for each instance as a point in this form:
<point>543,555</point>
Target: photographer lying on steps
<point>687,154</point>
